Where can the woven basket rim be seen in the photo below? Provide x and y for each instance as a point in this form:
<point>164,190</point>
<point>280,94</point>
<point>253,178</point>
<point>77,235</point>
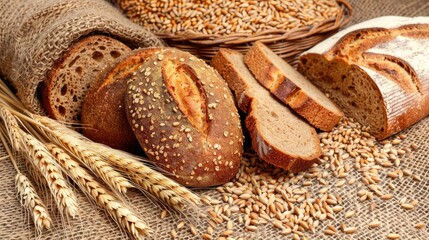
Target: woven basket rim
<point>343,17</point>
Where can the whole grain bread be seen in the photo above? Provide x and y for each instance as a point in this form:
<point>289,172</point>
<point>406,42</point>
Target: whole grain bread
<point>292,88</point>
<point>67,83</point>
<point>184,116</point>
<point>376,71</point>
<point>278,136</point>
<point>103,110</point>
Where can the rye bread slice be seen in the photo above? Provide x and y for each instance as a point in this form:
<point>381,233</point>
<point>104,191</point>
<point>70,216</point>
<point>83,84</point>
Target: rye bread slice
<point>68,81</point>
<point>103,110</point>
<point>292,88</point>
<point>278,136</point>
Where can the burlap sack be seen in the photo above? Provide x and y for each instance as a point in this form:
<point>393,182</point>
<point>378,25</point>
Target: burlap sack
<point>34,34</point>
<point>94,224</point>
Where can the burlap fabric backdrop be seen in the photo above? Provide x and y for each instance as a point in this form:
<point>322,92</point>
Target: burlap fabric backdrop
<point>94,224</point>
<point>45,29</point>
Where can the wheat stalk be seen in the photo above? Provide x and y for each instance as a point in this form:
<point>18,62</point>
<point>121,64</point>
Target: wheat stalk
<point>105,200</point>
<point>36,153</point>
<point>94,162</point>
<point>89,158</point>
<point>31,200</point>
<point>149,180</point>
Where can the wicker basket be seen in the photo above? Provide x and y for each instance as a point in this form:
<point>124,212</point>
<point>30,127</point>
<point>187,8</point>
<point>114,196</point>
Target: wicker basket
<point>286,43</point>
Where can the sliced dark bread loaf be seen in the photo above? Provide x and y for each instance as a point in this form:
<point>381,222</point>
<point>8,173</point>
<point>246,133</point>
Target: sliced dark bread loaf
<point>103,110</point>
<point>278,136</point>
<point>292,88</point>
<point>67,83</point>
<point>376,71</point>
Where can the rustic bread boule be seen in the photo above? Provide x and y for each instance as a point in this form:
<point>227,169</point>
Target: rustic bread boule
<point>67,83</point>
<point>184,116</point>
<point>103,111</point>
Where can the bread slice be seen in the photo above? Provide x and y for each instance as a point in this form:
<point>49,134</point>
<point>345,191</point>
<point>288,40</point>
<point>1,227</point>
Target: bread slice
<point>292,88</point>
<point>105,98</point>
<point>376,71</point>
<point>278,136</point>
<point>68,81</point>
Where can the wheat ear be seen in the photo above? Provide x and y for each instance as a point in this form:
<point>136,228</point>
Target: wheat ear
<point>68,139</point>
<point>12,126</point>
<point>27,193</point>
<point>152,181</point>
<point>35,174</point>
<point>105,200</point>
<point>31,200</point>
<point>37,153</point>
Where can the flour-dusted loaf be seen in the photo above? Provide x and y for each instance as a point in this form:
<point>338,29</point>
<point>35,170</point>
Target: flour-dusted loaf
<point>376,71</point>
<point>67,83</point>
<point>290,87</point>
<point>103,110</point>
<point>184,116</point>
<point>278,136</point>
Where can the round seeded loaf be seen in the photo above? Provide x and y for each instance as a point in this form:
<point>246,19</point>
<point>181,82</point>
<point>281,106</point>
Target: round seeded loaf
<point>103,114</point>
<point>184,116</point>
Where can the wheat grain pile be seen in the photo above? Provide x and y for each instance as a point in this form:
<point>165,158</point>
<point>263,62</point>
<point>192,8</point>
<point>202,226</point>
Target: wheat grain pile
<point>360,188</point>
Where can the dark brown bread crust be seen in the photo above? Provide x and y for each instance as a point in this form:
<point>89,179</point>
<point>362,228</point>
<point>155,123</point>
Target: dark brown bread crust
<point>56,95</point>
<point>103,110</point>
<point>184,117</point>
<point>247,100</point>
<point>288,92</point>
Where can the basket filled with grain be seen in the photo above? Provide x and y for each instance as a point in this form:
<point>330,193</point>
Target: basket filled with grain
<point>202,27</point>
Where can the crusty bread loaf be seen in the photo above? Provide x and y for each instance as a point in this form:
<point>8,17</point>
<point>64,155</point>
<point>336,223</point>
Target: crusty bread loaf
<point>376,71</point>
<point>184,117</point>
<point>292,88</point>
<point>103,110</point>
<point>278,136</point>
<point>68,81</point>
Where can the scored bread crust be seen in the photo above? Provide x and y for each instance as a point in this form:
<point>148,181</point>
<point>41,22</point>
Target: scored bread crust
<point>253,100</point>
<point>184,116</point>
<point>103,110</point>
<point>375,71</point>
<point>285,88</point>
<point>63,91</point>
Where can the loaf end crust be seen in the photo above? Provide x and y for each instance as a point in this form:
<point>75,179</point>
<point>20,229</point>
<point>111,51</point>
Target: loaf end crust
<point>103,111</point>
